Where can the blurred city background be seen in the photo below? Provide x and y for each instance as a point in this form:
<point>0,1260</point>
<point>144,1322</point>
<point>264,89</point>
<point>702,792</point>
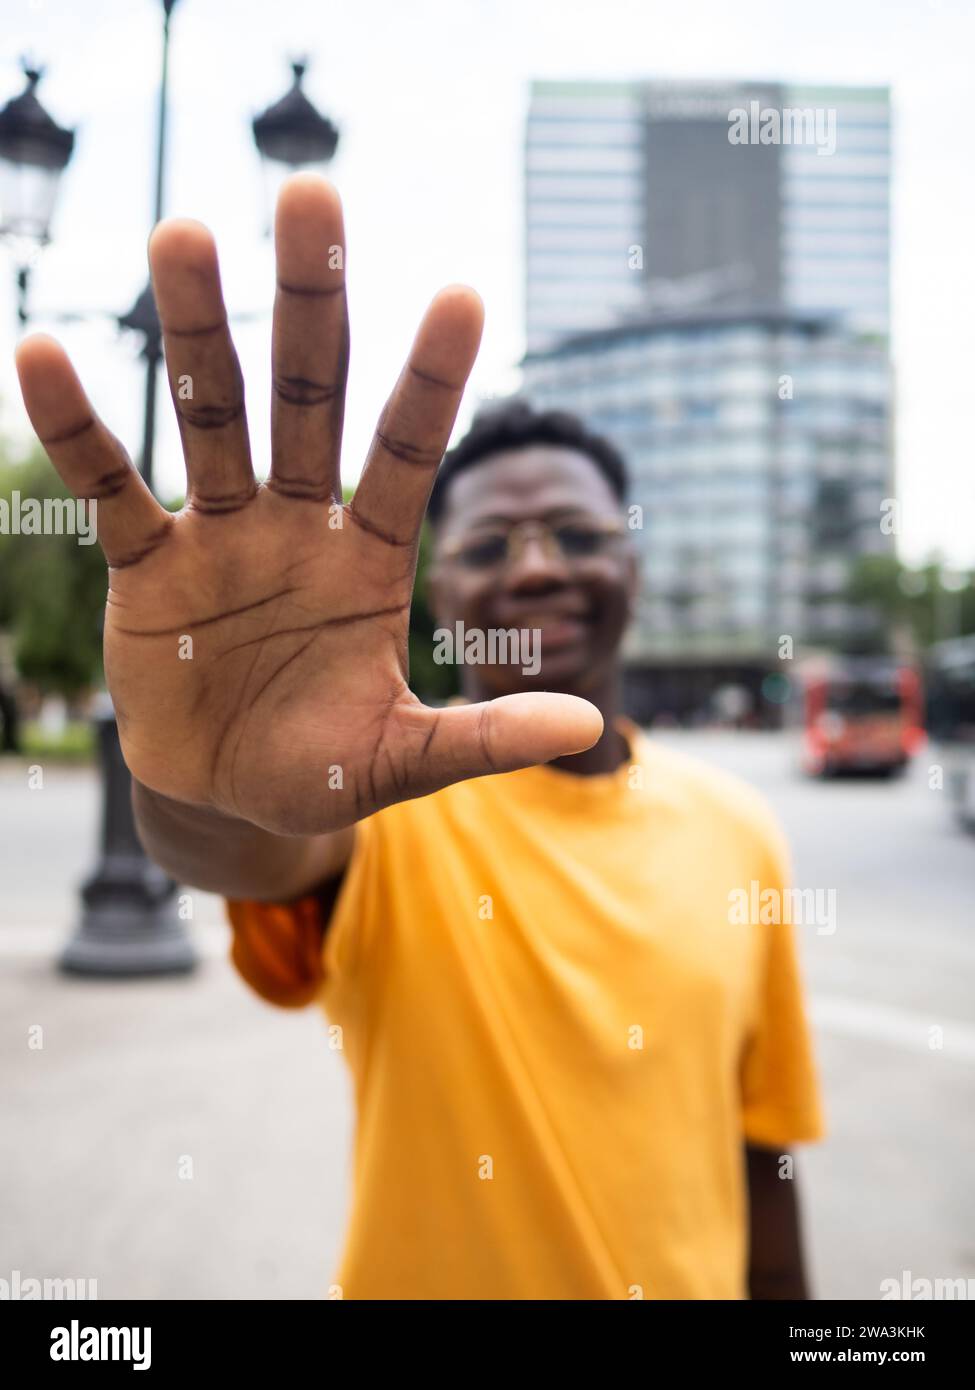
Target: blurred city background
<point>775,331</point>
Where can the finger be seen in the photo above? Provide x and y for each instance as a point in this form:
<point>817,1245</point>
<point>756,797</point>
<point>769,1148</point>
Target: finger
<point>415,424</point>
<point>129,522</point>
<point>505,734</point>
<point>310,341</point>
<point>204,374</point>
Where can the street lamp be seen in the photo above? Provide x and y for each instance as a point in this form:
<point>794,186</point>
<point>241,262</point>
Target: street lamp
<point>34,151</point>
<point>291,134</point>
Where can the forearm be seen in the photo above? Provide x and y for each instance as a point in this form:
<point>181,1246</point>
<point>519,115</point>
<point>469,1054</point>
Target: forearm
<point>220,854</point>
<point>775,1265</point>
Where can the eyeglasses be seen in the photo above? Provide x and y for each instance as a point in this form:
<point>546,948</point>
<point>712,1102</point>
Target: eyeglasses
<point>575,539</point>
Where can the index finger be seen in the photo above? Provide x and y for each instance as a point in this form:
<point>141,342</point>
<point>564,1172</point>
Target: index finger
<point>129,521</point>
<point>414,427</point>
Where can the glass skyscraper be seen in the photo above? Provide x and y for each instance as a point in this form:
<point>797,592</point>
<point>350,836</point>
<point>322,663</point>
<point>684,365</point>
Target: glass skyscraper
<point>758,447</point>
<point>720,309</point>
<point>635,195</point>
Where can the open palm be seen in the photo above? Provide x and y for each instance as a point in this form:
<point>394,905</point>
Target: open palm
<point>256,643</point>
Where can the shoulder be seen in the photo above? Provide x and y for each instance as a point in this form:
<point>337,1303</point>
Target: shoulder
<point>722,798</point>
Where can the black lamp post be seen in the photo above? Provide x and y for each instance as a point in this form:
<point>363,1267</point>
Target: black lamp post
<point>142,317</point>
<point>34,150</point>
<point>129,924</point>
<point>129,921</point>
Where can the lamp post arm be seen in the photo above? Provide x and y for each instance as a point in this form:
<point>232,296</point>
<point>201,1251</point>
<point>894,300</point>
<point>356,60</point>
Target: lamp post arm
<point>168,6</point>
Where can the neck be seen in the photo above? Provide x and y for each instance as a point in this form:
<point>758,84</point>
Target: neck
<point>611,749</point>
<point>609,752</point>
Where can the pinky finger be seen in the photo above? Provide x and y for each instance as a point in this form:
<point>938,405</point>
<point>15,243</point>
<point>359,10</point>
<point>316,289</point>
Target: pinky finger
<point>130,523</point>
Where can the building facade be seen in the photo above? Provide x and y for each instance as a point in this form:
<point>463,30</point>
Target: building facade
<point>707,282</point>
<point>655,196</point>
<point>759,452</point>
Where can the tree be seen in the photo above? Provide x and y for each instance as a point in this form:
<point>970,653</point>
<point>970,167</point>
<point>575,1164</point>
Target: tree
<point>928,602</point>
<point>52,590</point>
<point>430,681</point>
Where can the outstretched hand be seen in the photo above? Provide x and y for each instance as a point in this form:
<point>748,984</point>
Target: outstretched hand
<point>289,705</point>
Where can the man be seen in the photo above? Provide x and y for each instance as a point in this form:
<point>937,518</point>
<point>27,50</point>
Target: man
<point>576,1071</point>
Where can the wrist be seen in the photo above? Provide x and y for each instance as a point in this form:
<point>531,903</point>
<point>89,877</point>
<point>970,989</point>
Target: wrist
<point>219,853</point>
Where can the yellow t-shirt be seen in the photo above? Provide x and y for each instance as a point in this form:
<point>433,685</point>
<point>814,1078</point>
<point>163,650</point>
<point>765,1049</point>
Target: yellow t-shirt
<point>560,1034</point>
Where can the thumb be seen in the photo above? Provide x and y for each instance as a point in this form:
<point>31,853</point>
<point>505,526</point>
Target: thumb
<point>505,734</point>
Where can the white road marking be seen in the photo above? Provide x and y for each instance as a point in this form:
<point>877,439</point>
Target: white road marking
<point>862,1018</point>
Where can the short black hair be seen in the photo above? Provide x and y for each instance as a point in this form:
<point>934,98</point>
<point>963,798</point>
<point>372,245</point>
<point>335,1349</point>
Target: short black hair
<point>514,423</point>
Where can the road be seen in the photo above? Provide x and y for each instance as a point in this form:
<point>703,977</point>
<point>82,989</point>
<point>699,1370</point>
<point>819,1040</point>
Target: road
<point>135,1079</point>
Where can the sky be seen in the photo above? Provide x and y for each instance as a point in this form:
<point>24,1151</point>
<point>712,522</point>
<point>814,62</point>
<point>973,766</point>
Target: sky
<point>430,97</point>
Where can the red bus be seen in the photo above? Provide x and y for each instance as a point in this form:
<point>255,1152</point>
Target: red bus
<point>860,714</point>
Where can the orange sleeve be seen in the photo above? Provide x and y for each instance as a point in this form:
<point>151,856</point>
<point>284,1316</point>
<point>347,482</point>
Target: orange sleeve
<point>277,948</point>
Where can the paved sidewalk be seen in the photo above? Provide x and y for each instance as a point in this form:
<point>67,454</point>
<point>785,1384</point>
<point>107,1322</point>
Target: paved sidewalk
<point>135,1077</point>
<point>131,1081</point>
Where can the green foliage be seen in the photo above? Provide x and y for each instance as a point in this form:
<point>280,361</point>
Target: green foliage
<point>52,592</point>
<point>427,679</point>
<point>915,601</point>
<point>75,744</point>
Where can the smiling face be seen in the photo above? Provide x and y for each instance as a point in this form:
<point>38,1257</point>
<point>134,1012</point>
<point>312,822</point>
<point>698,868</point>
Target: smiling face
<point>580,603</point>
